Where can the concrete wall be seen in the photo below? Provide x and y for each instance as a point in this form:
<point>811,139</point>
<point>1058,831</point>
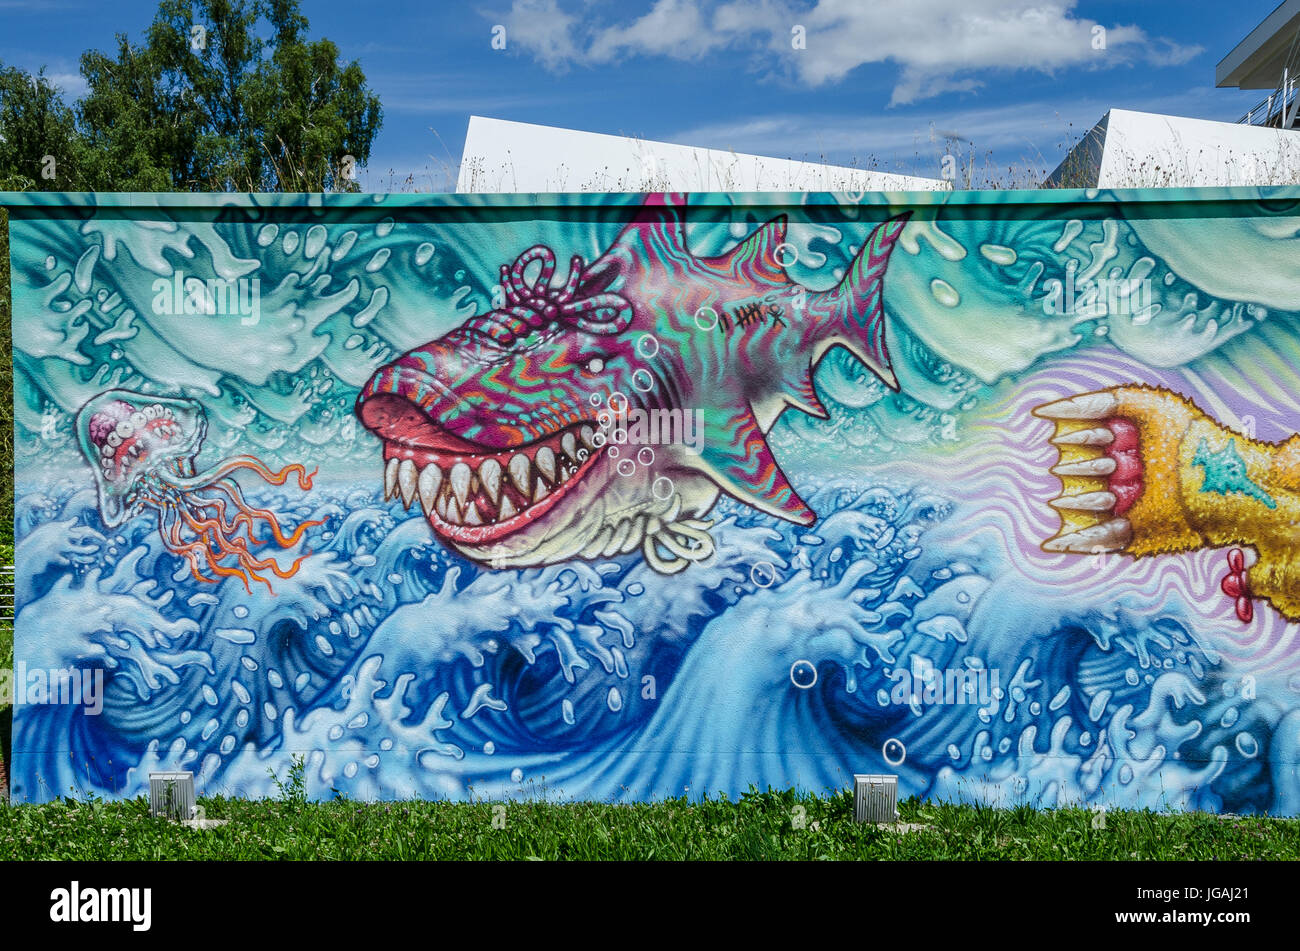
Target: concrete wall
<point>995,491</point>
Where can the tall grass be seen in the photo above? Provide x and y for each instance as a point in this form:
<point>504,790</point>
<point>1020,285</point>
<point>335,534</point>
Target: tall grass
<point>773,825</point>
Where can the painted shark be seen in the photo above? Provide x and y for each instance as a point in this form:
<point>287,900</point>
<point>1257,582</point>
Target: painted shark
<point>501,428</point>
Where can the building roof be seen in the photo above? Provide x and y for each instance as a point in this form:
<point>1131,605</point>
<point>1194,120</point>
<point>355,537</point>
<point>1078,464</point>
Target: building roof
<point>1258,60</point>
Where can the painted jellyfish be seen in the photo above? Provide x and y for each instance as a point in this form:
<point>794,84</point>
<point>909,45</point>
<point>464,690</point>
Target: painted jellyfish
<point>142,451</point>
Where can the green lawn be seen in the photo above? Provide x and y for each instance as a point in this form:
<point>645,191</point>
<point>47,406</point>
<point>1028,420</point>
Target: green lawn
<point>772,825</point>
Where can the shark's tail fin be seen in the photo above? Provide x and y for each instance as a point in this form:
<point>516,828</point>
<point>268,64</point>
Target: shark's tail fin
<point>853,312</point>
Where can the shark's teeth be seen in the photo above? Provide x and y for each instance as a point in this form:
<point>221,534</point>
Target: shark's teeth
<point>487,489</point>
<point>1101,466</point>
<point>545,460</point>
<point>1114,535</point>
<point>1086,502</point>
<point>1098,436</point>
<point>407,477</point>
<point>1087,406</point>
<point>489,474</point>
<point>430,482</point>
<point>390,478</point>
<point>460,476</point>
<point>520,472</point>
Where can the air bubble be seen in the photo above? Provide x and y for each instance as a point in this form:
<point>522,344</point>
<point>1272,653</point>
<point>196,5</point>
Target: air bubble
<point>803,674</point>
<point>763,574</point>
<point>895,752</point>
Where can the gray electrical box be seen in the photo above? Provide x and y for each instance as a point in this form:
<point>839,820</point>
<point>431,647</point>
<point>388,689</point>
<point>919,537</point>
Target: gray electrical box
<point>875,798</point>
<point>171,795</point>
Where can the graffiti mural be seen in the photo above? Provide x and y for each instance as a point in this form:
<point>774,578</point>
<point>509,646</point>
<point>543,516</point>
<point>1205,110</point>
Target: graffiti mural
<point>631,496</point>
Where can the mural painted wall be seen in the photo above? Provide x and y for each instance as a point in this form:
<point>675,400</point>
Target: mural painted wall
<point>626,496</point>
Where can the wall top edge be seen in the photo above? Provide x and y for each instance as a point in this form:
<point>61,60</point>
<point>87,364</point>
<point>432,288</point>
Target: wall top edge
<point>359,200</point>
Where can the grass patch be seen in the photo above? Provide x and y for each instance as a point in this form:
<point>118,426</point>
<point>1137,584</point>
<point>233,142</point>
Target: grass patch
<point>772,825</point>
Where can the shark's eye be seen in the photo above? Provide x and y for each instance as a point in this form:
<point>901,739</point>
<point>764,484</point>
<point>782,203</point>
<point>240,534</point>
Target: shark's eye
<point>594,365</point>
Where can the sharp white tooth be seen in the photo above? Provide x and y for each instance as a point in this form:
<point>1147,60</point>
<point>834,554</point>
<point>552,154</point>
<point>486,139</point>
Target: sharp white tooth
<point>442,506</point>
<point>1086,502</point>
<point>1088,406</point>
<point>588,437</point>
<point>1107,537</point>
<point>570,445</point>
<point>407,477</point>
<point>460,476</point>
<point>453,512</point>
<point>507,510</point>
<point>520,470</point>
<point>430,481</point>
<point>1100,436</point>
<point>541,491</point>
<point>545,460</point>
<point>472,516</point>
<point>1086,467</point>
<point>489,474</point>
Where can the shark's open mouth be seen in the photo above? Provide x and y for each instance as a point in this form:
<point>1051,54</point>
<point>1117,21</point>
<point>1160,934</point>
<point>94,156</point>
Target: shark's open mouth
<point>473,493</point>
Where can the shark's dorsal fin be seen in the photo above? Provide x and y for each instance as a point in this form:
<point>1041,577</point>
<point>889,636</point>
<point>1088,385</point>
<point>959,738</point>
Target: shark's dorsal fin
<point>659,224</point>
<point>755,258</point>
<point>743,466</point>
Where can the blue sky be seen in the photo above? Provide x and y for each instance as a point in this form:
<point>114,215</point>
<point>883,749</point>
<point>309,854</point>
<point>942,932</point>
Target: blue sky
<point>881,82</point>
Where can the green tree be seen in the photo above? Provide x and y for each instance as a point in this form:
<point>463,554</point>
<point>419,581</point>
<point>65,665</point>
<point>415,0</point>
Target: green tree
<point>226,95</point>
<point>40,147</point>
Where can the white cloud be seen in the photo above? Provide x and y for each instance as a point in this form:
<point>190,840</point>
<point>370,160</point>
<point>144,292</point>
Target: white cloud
<point>936,44</point>
<point>72,85</point>
<point>546,31</point>
<point>674,28</point>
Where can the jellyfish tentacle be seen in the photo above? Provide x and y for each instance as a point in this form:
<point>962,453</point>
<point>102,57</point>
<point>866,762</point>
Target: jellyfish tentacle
<point>284,541</point>
<point>235,463</point>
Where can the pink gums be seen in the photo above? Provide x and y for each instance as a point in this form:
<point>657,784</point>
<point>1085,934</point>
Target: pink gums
<point>1126,481</point>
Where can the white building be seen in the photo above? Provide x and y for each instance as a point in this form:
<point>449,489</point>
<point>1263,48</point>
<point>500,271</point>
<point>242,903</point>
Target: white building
<point>1129,149</point>
<point>501,156</point>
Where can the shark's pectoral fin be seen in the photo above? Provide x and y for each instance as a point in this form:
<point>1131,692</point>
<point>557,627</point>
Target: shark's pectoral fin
<point>802,395</point>
<point>738,458</point>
